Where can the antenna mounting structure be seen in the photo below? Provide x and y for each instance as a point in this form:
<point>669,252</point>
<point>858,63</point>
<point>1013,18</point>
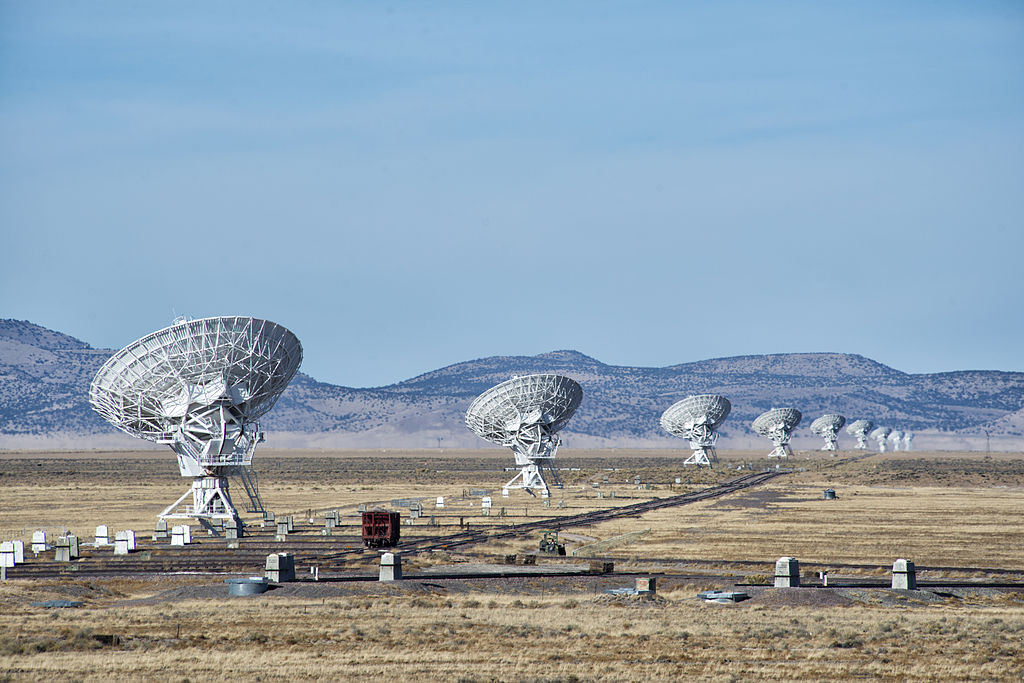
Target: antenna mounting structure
<point>897,438</point>
<point>879,435</point>
<point>200,386</point>
<point>525,414</point>
<point>860,429</point>
<point>696,418</point>
<point>778,424</point>
<point>827,426</point>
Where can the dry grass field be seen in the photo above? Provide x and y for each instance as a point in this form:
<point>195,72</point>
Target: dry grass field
<point>959,515</point>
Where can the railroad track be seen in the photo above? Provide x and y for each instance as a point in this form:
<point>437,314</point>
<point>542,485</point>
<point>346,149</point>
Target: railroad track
<point>324,552</point>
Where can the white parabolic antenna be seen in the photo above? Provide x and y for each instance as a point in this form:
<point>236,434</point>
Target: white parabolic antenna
<point>199,386</point>
<point>880,435</point>
<point>827,426</point>
<point>525,414</point>
<point>860,429</point>
<point>896,437</point>
<point>696,418</point>
<point>777,424</point>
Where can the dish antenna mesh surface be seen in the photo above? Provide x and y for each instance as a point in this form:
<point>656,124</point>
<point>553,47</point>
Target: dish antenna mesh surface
<point>777,424</point>
<point>860,429</point>
<point>525,414</point>
<point>199,386</point>
<point>879,435</point>
<point>696,418</point>
<point>827,426</point>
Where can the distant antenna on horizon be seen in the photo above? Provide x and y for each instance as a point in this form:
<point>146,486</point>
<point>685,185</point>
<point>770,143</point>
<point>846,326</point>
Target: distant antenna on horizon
<point>860,429</point>
<point>696,418</point>
<point>880,435</point>
<point>827,426</point>
<point>896,437</point>
<point>524,414</point>
<point>778,424</point>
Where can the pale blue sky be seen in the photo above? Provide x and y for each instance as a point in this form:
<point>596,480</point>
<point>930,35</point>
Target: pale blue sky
<point>407,185</point>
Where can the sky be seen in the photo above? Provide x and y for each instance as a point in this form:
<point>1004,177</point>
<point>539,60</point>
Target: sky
<point>407,185</point>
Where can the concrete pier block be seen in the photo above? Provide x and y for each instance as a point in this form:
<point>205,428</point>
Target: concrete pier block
<point>390,567</point>
<point>66,548</point>
<point>6,554</point>
<point>181,535</point>
<point>904,575</point>
<point>787,573</point>
<point>19,552</point>
<point>161,534</point>
<point>102,535</point>
<point>280,567</point>
<point>121,543</point>
<point>39,541</point>
<point>232,529</point>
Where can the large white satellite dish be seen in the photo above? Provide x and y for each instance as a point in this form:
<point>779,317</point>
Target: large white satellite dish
<point>778,424</point>
<point>199,386</point>
<point>696,418</point>
<point>525,414</point>
<point>880,435</point>
<point>860,429</point>
<point>827,426</point>
<point>896,437</point>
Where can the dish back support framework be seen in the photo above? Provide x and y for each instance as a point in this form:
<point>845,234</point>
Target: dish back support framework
<point>200,387</point>
<point>778,424</point>
<point>827,426</point>
<point>860,429</point>
<point>697,418</point>
<point>525,414</point>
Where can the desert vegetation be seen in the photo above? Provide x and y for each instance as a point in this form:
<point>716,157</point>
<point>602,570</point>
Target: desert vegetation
<point>957,515</point>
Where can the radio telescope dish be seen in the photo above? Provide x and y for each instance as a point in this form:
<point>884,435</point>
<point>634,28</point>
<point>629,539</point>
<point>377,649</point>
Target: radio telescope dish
<point>777,424</point>
<point>880,435</point>
<point>696,418</point>
<point>525,414</point>
<point>200,386</point>
<point>860,429</point>
<point>896,437</point>
<point>827,426</point>
<point>907,439</point>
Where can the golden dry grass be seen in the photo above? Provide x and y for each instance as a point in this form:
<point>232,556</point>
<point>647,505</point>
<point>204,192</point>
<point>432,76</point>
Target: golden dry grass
<point>958,510</point>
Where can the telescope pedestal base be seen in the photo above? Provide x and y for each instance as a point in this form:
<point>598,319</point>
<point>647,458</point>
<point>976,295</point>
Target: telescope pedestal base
<point>702,456</point>
<point>783,451</point>
<point>531,479</point>
<point>210,501</point>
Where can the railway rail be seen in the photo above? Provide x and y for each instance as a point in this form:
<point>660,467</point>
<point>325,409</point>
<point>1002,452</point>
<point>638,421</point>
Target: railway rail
<point>324,551</point>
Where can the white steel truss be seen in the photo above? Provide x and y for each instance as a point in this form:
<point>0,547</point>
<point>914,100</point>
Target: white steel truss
<point>696,418</point>
<point>778,424</point>
<point>525,414</point>
<point>827,427</point>
<point>200,386</point>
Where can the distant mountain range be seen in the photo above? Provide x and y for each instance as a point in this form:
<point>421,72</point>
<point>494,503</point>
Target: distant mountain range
<point>45,376</point>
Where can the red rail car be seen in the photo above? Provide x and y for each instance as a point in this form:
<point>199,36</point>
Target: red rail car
<point>381,529</point>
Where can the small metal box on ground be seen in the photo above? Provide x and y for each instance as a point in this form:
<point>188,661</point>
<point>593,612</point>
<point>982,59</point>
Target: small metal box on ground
<point>829,494</point>
<point>646,585</point>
